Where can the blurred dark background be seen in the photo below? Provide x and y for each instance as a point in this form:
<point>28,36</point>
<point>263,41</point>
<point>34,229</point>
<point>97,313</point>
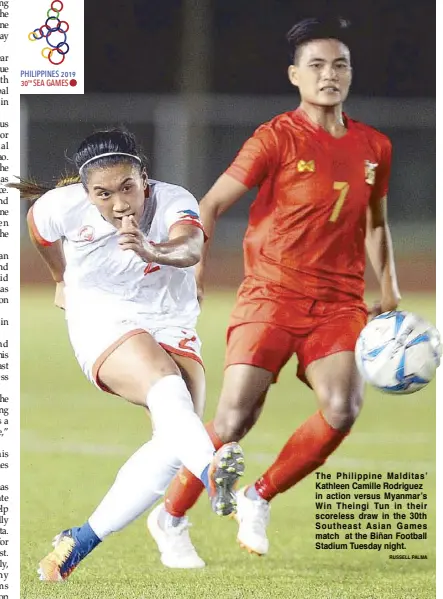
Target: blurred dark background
<point>137,45</point>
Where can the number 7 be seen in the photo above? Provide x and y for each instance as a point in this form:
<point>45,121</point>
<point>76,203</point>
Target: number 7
<point>343,188</point>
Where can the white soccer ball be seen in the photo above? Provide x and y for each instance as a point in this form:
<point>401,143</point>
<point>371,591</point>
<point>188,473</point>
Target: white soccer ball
<point>398,352</point>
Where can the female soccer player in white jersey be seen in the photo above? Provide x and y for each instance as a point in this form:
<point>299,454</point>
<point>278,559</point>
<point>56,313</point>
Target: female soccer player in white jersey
<point>121,249</point>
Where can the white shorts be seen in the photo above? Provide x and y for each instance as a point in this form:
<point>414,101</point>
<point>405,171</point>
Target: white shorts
<point>94,341</point>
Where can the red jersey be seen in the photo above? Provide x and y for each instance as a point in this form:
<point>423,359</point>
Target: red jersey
<point>307,225</point>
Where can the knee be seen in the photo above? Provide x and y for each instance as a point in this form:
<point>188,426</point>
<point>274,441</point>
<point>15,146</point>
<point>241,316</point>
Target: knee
<point>342,410</point>
<point>232,424</point>
<point>228,426</point>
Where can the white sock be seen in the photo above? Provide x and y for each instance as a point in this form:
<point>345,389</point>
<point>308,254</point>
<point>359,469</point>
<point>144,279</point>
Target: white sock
<point>176,423</point>
<point>139,483</point>
<point>167,520</point>
<point>251,493</point>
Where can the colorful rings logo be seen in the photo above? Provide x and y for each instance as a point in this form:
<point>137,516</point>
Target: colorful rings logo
<point>53,26</point>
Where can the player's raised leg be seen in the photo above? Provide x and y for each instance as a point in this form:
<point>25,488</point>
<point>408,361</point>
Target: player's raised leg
<point>174,419</point>
<point>255,355</point>
<point>140,370</point>
<point>241,401</point>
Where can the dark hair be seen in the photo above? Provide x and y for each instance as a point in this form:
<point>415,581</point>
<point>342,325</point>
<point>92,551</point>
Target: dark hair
<point>118,141</point>
<point>316,29</point>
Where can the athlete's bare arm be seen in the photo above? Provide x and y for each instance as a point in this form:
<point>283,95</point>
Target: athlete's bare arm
<point>52,255</point>
<point>54,259</point>
<point>381,254</point>
<point>184,247</point>
<point>222,195</point>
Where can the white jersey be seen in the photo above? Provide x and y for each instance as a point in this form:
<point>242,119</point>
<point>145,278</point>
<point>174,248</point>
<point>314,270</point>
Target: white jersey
<point>102,278</point>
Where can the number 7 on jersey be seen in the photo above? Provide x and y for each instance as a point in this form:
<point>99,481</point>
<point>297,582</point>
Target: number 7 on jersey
<point>343,188</point>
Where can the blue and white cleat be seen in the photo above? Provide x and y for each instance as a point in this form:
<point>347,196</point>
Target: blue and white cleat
<point>64,558</point>
<point>226,468</point>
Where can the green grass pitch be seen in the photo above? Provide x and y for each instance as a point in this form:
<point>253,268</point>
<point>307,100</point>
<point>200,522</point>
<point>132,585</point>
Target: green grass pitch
<point>75,438</point>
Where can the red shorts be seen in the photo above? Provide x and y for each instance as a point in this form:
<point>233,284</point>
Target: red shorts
<point>311,329</point>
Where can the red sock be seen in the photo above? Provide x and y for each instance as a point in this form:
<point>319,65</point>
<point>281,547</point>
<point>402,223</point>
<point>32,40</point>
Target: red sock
<point>186,488</point>
<point>307,449</point>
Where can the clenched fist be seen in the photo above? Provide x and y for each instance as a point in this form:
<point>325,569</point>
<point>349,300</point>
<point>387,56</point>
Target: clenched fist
<point>132,238</point>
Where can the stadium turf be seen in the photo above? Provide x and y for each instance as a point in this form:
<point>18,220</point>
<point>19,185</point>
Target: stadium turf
<point>74,439</point>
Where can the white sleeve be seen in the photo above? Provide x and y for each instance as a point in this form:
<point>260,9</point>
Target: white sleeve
<point>44,218</point>
<point>182,210</point>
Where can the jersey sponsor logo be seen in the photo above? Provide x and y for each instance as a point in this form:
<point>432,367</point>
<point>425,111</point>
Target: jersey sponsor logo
<point>87,233</point>
<point>304,166</point>
<point>370,172</point>
<point>150,268</point>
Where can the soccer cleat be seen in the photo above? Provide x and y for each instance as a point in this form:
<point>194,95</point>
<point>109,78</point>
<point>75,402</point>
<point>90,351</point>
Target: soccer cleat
<point>253,517</point>
<point>65,557</point>
<point>174,543</point>
<point>227,466</point>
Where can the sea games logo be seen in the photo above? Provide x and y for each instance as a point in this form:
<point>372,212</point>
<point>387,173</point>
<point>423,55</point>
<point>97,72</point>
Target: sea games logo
<point>54,31</point>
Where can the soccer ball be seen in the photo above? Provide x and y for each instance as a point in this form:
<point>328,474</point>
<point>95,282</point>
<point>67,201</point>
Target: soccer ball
<point>398,352</point>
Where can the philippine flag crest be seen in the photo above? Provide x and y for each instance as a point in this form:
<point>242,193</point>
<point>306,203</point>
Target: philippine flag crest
<point>188,215</point>
<point>191,218</point>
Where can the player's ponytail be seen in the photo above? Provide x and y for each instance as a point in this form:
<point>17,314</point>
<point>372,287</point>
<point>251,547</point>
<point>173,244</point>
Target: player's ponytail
<point>31,190</point>
<point>68,180</point>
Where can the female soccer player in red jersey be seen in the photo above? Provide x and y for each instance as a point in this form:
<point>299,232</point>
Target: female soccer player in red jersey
<point>322,183</point>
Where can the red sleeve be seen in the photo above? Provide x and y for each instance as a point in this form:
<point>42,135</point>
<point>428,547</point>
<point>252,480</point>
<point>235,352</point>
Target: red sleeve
<point>193,223</point>
<point>383,171</point>
<point>254,161</point>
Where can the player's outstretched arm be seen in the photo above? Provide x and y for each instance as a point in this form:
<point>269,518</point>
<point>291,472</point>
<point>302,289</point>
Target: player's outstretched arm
<point>222,195</point>
<point>381,254</point>
<point>183,248</point>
